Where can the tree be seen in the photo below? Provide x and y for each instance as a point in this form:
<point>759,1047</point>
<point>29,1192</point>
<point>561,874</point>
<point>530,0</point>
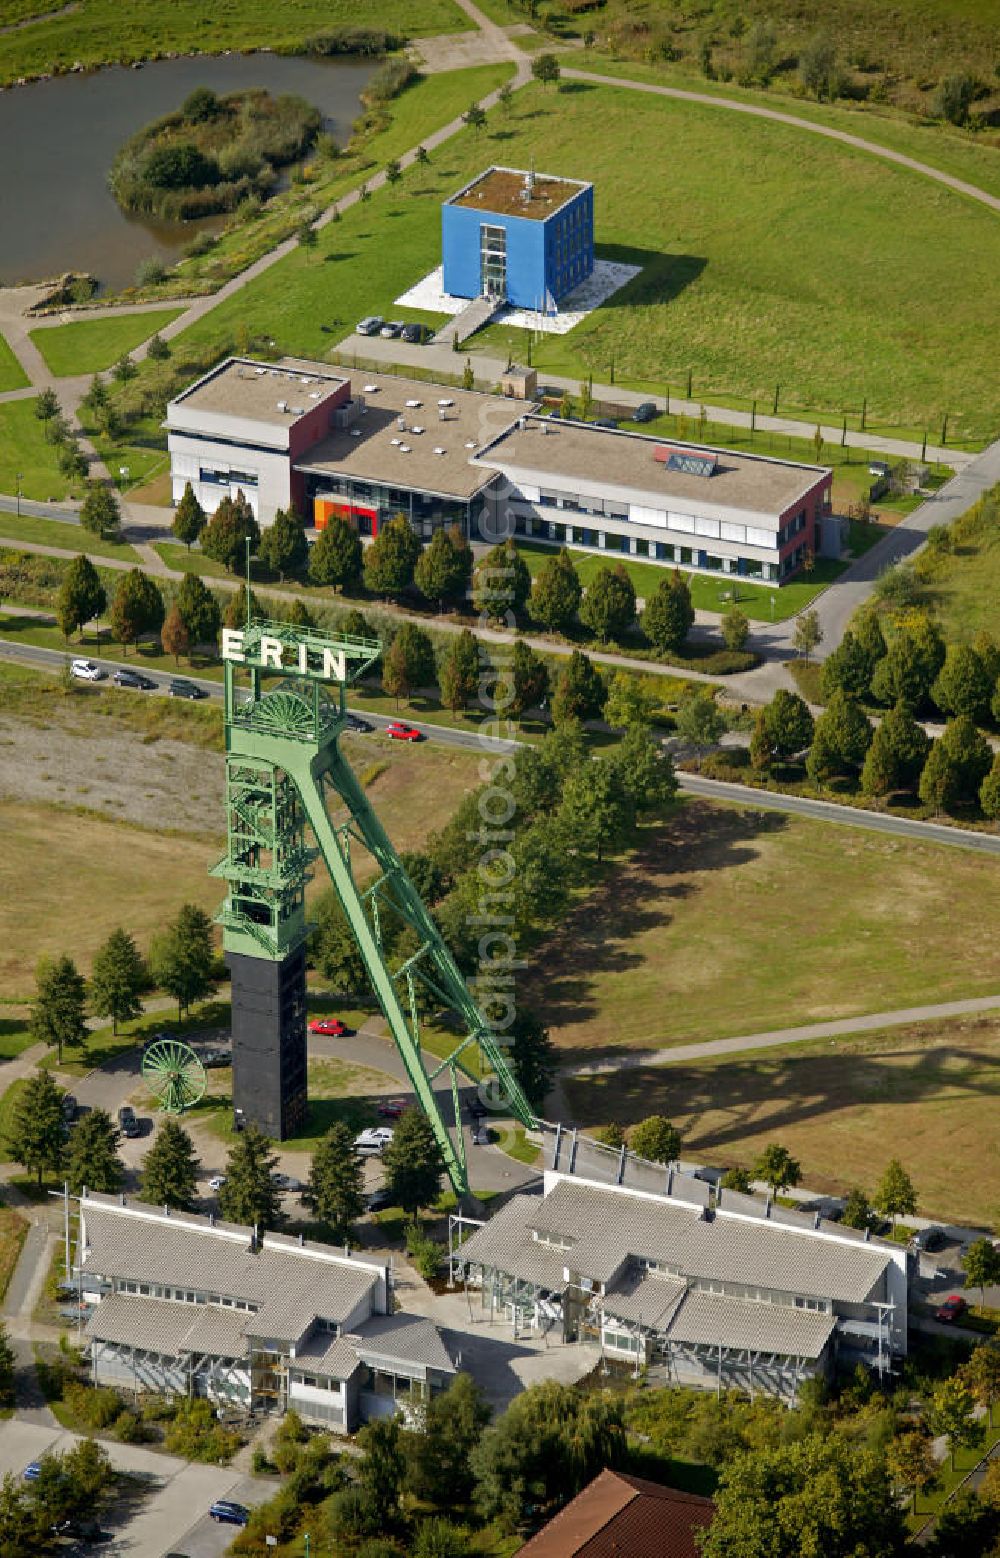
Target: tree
<point>777,1168</point>
<point>699,721</point>
<point>963,684</point>
<point>655,1139</point>
<point>533,1056</point>
<point>981,1264</point>
<point>408,662</point>
<point>335,950</point>
<point>556,592</point>
<point>189,517</point>
<point>240,604</point>
<point>848,669</point>
<point>7,1368</point>
<point>37,1135</point>
<point>788,724</point>
<point>669,616</point>
<point>283,545</point>
<point>981,1374</point>
<point>459,673</point>
<point>46,405</point>
<point>595,812</point>
<point>305,234</point>
<point>808,634</point>
<point>174,636</point>
<point>99,511</point>
<point>954,97</point>
<point>390,560</point>
<point>170,1168</point>
<point>545,68</point>
<point>894,1194</point>
<point>818,66</point>
<point>380,1475</point>
<point>249,1195</point>
<point>631,701</point>
<point>157,350</point>
<point>644,771</point>
<point>821,1494</point>
<point>551,1442</point>
<point>136,608</point>
<point>760,46</point>
<point>897,753</point>
<point>857,1211</point>
<point>81,596</point>
<point>737,1180</point>
<point>989,791</point>
<point>580,691</point>
<point>529,679</point>
<point>911,1463</point>
<point>336,1190</point>
<point>181,960</point>
<point>444,567</point>
<point>117,978</point>
<point>907,671</point>
<point>842,736</point>
<point>735,629</point>
<point>609,604</point>
<point>58,1016</point>
<point>952,1415</point>
<point>337,557</point>
<point>225,536</point>
<point>956,766</point>
<point>413,1163</point>
<point>92,1156</point>
<point>474,117</point>
<point>438,1458</point>
<point>468,375</point>
<point>501,584</point>
<point>199,612</point>
<point>298,614</point>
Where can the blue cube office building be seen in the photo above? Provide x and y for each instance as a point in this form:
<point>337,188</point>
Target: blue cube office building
<point>526,238</point>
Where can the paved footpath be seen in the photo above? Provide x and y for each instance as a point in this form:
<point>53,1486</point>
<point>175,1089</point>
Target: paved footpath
<point>840,1028</point>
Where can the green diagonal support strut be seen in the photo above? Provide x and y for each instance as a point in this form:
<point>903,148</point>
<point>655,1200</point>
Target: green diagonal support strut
<point>291,734</point>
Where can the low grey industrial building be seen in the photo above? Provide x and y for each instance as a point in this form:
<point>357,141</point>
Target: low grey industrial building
<point>187,1305</point>
<point>728,1294</point>
<point>366,446</point>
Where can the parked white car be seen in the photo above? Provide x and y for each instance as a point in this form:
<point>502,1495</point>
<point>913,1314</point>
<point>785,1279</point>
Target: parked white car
<point>86,671</point>
<point>217,1181</point>
<point>373,1142</point>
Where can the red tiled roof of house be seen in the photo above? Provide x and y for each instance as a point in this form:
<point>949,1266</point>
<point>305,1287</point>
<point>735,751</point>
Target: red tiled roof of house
<point>618,1516</point>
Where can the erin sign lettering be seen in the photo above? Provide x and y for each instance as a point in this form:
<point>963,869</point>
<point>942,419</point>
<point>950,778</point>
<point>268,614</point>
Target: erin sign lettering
<point>270,654</point>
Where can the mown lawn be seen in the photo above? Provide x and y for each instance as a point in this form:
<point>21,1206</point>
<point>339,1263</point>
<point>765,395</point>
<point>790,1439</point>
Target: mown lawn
<point>61,533</point>
<point>26,458</point>
<point>12,375</point>
<point>91,345</point>
<point>729,921</point>
<point>925,1093</point>
<point>99,30</point>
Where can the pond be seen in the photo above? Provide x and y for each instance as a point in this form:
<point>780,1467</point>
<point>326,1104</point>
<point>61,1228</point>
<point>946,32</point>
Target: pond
<point>58,139</point>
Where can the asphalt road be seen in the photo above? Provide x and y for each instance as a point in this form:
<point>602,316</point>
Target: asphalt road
<point>691,784</point>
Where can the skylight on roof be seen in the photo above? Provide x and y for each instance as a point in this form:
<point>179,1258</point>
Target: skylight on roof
<point>692,464</point>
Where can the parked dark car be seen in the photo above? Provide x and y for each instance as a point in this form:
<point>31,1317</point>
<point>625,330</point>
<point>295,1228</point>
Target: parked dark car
<point>70,1107</point>
<point>951,1310</point>
<point>229,1512</point>
<point>378,1201</point>
<point>124,678</point>
<point>127,1122</point>
<point>416,335</point>
<point>646,412</point>
<point>930,1239</point>
<point>361,727</point>
<point>604,422</point>
<point>180,687</point>
<point>215,1059</point>
<point>477,1109</point>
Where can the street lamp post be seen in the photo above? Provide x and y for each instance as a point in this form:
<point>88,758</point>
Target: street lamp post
<point>17,478</point>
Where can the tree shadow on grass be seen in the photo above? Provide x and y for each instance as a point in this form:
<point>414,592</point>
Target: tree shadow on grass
<point>596,938</point>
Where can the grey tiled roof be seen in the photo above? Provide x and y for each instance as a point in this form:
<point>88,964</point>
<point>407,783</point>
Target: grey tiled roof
<point>607,1225</point>
<point>401,1338</point>
<point>191,1252</point>
<point>711,1319</point>
<point>333,1357</point>
<point>160,1325</point>
<point>645,1300</point>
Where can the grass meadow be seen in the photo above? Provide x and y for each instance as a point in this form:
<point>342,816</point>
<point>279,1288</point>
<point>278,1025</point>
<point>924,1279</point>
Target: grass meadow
<point>925,1093</point>
<point>727,921</point>
<point>25,454</point>
<point>12,375</point>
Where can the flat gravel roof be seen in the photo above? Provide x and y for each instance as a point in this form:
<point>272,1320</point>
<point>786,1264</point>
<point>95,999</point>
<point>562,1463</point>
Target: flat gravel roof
<point>501,190</point>
<point>252,390</point>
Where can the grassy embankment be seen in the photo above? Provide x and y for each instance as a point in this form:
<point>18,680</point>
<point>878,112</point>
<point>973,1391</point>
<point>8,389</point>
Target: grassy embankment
<point>91,345</point>
<point>12,375</point>
<point>99,32</point>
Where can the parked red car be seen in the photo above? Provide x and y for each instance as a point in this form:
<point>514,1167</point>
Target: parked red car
<point>331,1026</point>
<point>951,1310</point>
<point>391,1108</point>
<point>400,732</point>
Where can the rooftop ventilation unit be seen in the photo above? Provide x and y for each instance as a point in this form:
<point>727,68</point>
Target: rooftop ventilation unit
<point>395,442</point>
<point>401,424</point>
<point>471,444</point>
<point>404,448</point>
<point>371,389</point>
<point>282,405</point>
<point>260,371</point>
<point>416,429</point>
<point>413,404</point>
<point>355,432</point>
<point>439,450</point>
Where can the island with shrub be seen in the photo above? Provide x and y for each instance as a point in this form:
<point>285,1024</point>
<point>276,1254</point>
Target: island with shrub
<point>213,153</point>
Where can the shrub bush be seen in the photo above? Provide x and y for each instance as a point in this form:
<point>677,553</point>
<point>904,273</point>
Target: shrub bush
<point>97,1406</point>
<point>422,1250</point>
<point>197,1436</point>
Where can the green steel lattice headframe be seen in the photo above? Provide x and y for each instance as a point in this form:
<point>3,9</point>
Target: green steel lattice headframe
<point>280,649</point>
